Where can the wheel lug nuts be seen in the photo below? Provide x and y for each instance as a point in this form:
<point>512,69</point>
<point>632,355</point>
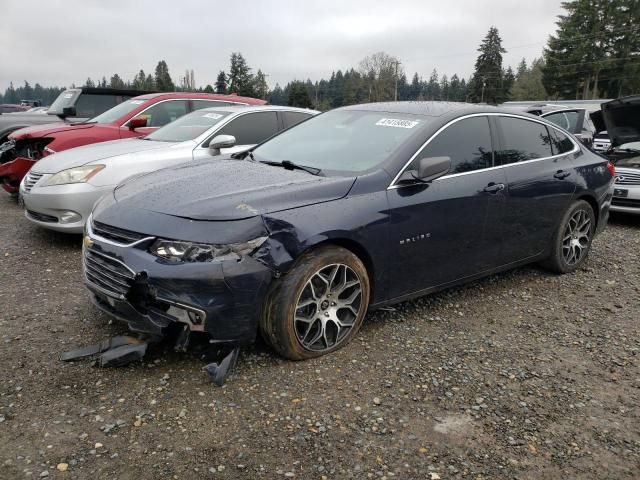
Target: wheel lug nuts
<point>326,314</point>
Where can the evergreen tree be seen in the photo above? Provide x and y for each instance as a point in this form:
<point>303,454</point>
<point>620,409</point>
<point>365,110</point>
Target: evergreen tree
<point>488,76</point>
<point>221,83</point>
<point>163,81</point>
<point>140,81</point>
<point>299,95</point>
<point>89,83</point>
<point>433,87</point>
<point>260,85</point>
<point>208,89</point>
<point>103,82</point>
<point>276,96</point>
<point>116,81</point>
<point>528,84</point>
<point>444,88</point>
<point>522,68</point>
<point>240,77</point>
<point>595,51</point>
<point>416,87</point>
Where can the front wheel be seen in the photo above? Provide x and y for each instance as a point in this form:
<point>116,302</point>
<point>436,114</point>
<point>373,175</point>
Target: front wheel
<point>318,306</point>
<point>572,240</point>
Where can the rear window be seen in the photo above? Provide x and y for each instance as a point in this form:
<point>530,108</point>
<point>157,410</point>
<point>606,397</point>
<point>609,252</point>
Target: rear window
<point>523,140</point>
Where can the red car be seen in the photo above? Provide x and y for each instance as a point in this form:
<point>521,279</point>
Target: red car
<point>136,117</point>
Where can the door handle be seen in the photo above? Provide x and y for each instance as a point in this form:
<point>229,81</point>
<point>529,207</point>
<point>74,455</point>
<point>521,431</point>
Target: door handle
<point>561,174</point>
<point>494,188</point>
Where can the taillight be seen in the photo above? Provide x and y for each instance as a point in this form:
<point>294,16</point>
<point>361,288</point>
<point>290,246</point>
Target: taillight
<point>612,169</point>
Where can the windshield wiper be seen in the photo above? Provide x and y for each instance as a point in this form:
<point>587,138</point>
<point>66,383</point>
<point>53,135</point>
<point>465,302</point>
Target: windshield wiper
<point>630,150</point>
<point>289,165</point>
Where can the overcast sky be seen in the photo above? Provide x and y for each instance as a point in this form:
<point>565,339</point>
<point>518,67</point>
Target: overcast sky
<point>59,42</point>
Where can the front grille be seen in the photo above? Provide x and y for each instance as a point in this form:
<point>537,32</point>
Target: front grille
<point>108,274</point>
<point>116,234</point>
<point>41,217</point>
<point>31,179</point>
<point>624,178</point>
<point>625,202</point>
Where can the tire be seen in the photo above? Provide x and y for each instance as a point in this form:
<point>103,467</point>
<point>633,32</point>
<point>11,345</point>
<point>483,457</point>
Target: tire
<point>340,309</point>
<point>572,239</point>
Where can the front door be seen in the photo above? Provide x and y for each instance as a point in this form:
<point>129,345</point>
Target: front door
<point>447,229</point>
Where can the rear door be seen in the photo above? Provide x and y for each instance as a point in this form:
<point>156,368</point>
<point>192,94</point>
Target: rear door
<point>540,183</point>
<point>447,229</point>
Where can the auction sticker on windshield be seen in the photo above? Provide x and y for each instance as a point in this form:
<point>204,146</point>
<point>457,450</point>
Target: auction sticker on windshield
<point>396,122</point>
<point>215,116</point>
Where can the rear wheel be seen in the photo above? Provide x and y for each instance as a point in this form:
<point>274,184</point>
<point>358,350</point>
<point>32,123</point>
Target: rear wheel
<point>572,241</point>
<point>318,306</point>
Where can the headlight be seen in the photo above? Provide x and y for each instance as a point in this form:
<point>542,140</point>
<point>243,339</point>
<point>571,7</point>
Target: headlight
<point>202,252</point>
<point>74,175</point>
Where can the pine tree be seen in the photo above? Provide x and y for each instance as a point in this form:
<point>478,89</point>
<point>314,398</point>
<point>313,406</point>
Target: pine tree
<point>116,81</point>
<point>528,84</point>
<point>89,83</point>
<point>240,78</point>
<point>522,68</point>
<point>488,76</point>
<point>276,96</point>
<point>299,95</point>
<point>260,85</point>
<point>163,81</point>
<point>221,83</point>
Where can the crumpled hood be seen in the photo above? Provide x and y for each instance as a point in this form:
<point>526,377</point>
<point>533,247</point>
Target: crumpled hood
<point>48,129</point>
<point>622,119</point>
<point>226,189</point>
<point>87,154</point>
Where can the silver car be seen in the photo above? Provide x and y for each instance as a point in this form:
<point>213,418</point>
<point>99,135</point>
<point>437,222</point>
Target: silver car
<point>61,189</point>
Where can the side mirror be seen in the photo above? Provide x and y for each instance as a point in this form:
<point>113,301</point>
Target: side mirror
<point>137,122</point>
<point>69,112</point>
<point>429,169</point>
<point>221,141</point>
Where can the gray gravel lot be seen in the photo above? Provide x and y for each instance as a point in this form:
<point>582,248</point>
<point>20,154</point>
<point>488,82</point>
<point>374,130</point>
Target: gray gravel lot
<point>522,375</point>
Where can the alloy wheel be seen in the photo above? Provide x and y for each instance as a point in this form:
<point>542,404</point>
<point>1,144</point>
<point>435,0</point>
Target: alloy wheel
<point>577,236</point>
<point>328,307</point>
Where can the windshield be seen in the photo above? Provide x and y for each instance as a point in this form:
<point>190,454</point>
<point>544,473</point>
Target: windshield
<point>630,146</point>
<point>65,99</point>
<point>342,140</point>
<point>118,111</point>
<point>188,127</point>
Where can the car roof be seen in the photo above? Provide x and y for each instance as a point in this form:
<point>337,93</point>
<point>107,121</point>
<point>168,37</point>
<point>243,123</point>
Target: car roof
<point>433,109</point>
<point>202,96</point>
<point>256,108</point>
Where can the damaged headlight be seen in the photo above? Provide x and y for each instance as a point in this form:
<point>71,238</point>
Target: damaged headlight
<point>201,252</point>
<point>74,175</point>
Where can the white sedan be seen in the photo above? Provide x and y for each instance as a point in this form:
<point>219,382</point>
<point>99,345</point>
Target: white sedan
<point>61,189</point>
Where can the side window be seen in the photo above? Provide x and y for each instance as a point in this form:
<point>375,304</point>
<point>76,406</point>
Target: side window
<point>198,104</point>
<point>566,120</point>
<point>251,128</point>
<point>523,140</point>
<point>467,142</point>
<point>89,105</point>
<point>293,118</point>
<point>165,112</point>
<point>560,142</point>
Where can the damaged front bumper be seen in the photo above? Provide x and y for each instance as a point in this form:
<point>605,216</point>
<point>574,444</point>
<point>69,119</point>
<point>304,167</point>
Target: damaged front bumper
<point>221,298</point>
<point>13,171</point>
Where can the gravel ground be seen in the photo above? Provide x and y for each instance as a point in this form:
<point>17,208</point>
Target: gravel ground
<point>522,375</point>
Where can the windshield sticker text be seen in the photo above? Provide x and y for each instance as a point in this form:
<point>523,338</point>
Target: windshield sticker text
<point>396,122</point>
<point>215,116</point>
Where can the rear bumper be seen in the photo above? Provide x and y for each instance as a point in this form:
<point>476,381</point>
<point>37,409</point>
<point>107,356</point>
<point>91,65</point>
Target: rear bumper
<point>46,206</point>
<point>12,173</point>
<point>222,299</point>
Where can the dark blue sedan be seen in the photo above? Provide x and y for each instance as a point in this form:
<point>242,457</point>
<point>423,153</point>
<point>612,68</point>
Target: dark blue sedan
<point>354,209</point>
